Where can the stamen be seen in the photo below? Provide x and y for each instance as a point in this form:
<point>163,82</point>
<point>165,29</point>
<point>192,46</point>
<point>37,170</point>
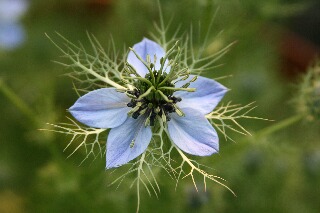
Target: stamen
<point>177,89</point>
<point>157,110</point>
<point>132,103</point>
<point>135,109</point>
<point>136,114</point>
<point>184,74</point>
<point>185,77</point>
<point>175,74</point>
<point>178,111</point>
<point>169,108</point>
<point>143,111</point>
<point>124,81</point>
<point>155,59</point>
<point>131,70</point>
<point>169,52</point>
<point>130,95</point>
<point>164,117</point>
<point>148,60</point>
<point>122,90</point>
<point>147,122</point>
<point>132,143</point>
<point>175,99</point>
<point>186,85</point>
<point>152,118</point>
<point>144,63</point>
<point>194,78</point>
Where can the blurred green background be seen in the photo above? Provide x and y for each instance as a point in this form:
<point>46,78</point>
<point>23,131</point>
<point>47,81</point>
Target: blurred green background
<point>276,42</point>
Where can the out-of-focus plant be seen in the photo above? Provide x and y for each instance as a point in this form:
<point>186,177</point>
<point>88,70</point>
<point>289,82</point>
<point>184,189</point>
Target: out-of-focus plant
<point>11,31</point>
<point>308,95</point>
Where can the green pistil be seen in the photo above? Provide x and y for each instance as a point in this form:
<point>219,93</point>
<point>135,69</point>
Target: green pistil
<point>153,101</point>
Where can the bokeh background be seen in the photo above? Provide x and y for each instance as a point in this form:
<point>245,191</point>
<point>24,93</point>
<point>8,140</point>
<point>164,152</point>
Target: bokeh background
<point>276,42</point>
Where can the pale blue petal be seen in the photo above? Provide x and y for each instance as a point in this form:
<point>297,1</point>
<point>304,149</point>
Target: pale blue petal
<point>206,97</point>
<point>102,108</point>
<point>193,133</point>
<point>120,146</point>
<point>144,48</point>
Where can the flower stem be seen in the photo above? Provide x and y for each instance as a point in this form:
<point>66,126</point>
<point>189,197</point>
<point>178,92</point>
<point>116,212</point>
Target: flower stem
<point>18,102</point>
<point>31,115</point>
<point>245,142</point>
<point>278,126</point>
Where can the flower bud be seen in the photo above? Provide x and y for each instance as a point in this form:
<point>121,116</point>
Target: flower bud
<point>308,101</point>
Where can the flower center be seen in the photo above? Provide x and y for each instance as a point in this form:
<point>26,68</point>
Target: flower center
<point>153,99</point>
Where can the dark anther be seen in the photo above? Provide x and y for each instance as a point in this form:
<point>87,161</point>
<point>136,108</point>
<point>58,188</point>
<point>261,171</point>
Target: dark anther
<point>135,115</point>
<point>168,108</point>
<point>178,99</point>
<point>152,118</point>
<point>132,103</point>
<point>134,92</point>
<point>130,92</point>
<point>175,99</point>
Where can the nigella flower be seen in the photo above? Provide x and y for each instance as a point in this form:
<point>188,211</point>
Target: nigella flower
<point>12,10</point>
<point>159,93</point>
<point>12,33</point>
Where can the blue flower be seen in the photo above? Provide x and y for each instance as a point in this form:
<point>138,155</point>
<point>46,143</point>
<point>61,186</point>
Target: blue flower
<point>12,10</point>
<point>12,33</point>
<point>153,97</point>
